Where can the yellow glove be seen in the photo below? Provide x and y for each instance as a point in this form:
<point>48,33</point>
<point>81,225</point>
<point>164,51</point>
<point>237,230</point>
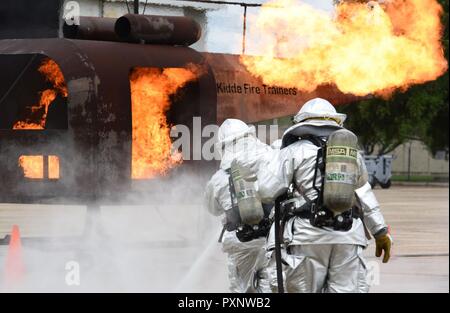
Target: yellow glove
<point>383,243</point>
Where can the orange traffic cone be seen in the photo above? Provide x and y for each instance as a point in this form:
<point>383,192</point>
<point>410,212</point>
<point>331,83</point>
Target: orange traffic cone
<point>14,267</point>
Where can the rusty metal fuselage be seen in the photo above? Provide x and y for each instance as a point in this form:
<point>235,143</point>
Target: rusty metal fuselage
<point>95,149</point>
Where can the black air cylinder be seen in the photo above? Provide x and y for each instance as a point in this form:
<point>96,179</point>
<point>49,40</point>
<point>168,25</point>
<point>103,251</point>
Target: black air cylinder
<point>154,29</point>
<point>92,28</point>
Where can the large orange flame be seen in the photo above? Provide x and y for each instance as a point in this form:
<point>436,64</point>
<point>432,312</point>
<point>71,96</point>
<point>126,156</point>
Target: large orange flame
<point>33,166</point>
<point>151,89</point>
<point>364,48</point>
<point>38,114</point>
<point>53,74</point>
<point>53,167</point>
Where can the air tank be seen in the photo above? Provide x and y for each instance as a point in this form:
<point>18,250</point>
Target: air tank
<point>92,28</point>
<point>155,29</point>
<point>341,171</point>
<point>250,207</point>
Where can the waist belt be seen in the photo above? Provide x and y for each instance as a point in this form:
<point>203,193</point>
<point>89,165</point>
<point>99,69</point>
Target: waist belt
<point>301,207</point>
<point>307,213</point>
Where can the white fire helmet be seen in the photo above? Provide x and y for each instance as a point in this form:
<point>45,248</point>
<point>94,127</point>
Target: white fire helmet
<point>319,109</point>
<point>232,129</point>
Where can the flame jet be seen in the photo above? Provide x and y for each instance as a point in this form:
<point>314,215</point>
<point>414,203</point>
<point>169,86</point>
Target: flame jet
<point>363,48</point>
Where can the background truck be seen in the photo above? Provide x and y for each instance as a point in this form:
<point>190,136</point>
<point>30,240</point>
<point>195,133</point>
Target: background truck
<point>379,169</point>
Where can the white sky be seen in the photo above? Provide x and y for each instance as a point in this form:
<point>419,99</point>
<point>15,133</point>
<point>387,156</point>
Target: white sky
<point>224,29</point>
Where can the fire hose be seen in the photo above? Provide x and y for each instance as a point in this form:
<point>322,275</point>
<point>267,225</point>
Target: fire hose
<point>278,239</point>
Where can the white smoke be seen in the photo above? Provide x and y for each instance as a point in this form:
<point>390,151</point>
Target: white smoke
<point>164,242</point>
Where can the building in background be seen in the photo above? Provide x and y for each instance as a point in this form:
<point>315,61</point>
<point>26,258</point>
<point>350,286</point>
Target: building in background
<point>29,19</point>
<point>414,159</point>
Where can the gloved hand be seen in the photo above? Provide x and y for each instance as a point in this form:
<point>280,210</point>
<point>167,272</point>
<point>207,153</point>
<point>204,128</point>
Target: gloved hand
<point>384,243</point>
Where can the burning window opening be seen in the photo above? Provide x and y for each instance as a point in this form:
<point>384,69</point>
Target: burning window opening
<point>38,112</point>
<point>39,166</point>
<point>33,93</point>
<point>151,92</point>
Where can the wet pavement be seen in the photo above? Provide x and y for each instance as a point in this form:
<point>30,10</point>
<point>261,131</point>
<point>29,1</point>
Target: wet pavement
<point>164,249</point>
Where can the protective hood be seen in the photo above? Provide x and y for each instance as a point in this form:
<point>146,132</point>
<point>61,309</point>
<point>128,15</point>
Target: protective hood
<point>231,130</point>
<point>276,145</point>
<point>317,117</point>
<point>234,137</point>
<point>310,128</point>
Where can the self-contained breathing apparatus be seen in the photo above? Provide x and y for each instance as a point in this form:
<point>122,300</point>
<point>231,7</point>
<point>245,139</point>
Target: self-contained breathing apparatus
<point>336,163</point>
<point>336,167</point>
<point>247,216</point>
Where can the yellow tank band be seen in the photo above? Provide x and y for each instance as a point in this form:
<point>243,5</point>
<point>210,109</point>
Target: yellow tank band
<point>342,151</point>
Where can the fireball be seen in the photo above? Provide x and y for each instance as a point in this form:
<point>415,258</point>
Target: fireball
<point>362,48</point>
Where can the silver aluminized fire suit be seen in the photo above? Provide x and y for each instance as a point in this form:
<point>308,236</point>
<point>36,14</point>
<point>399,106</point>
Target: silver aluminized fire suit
<point>319,259</point>
<point>246,260</point>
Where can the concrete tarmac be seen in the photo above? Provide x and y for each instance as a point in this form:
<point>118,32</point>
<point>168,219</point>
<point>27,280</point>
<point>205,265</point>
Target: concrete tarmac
<point>165,249</point>
<point>419,218</point>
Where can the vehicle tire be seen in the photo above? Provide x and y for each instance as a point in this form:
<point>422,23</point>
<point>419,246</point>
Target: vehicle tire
<point>386,185</point>
<point>373,182</point>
